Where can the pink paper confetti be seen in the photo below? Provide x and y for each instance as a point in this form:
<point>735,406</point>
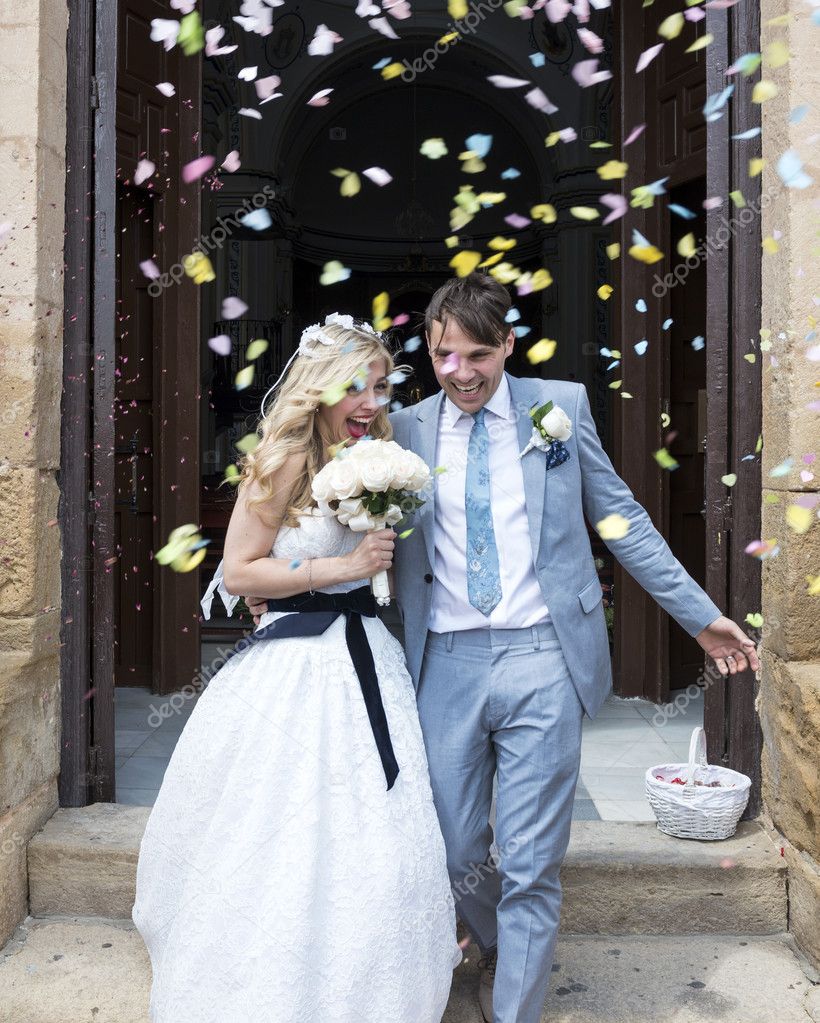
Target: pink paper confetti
<point>233,308</point>
<point>167,89</point>
<point>232,163</point>
<point>591,42</point>
<point>378,175</point>
<point>635,133</point>
<point>383,26</point>
<point>145,170</point>
<point>617,203</point>
<point>585,73</point>
<point>196,169</point>
<point>150,269</point>
<point>323,41</point>
<point>266,87</point>
<point>320,99</point>
<point>212,39</point>
<point>450,364</point>
<point>221,344</point>
<point>517,221</point>
<point>537,99</point>
<point>647,57</point>
<point>505,82</point>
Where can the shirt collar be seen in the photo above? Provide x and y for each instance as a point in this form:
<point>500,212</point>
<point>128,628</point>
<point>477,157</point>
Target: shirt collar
<point>499,404</point>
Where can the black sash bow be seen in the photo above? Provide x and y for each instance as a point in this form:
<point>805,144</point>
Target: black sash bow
<point>313,613</point>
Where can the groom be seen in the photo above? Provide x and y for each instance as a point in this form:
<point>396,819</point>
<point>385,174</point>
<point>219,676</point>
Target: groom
<point>505,632</point>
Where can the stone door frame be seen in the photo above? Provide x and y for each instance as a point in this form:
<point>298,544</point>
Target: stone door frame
<point>733,425</point>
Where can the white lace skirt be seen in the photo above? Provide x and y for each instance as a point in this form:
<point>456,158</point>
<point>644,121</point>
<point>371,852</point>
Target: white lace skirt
<point>278,880</point>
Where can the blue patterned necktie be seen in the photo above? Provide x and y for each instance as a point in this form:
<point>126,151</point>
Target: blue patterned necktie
<point>483,582</point>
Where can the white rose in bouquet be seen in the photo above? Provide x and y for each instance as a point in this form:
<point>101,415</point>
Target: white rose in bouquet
<point>322,486</point>
<point>345,478</point>
<point>376,473</point>
<point>367,486</point>
<point>405,468</point>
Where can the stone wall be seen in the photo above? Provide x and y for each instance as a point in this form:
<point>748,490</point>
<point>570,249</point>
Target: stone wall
<point>32,199</point>
<point>789,698</point>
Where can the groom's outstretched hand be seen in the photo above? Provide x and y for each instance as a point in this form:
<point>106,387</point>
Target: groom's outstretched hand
<point>729,646</point>
<point>257,607</point>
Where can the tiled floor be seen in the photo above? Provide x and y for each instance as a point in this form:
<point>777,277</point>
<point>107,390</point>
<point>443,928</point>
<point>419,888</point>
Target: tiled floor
<point>626,738</point>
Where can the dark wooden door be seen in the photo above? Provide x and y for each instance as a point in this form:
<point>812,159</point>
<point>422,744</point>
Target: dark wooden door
<point>668,98</point>
<point>686,387</point>
<point>145,621</point>
<point>135,585</point>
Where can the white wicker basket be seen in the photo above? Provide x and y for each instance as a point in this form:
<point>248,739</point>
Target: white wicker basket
<point>697,811</point>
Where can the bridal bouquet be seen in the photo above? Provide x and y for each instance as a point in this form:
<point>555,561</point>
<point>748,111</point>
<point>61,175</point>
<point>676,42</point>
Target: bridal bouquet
<point>370,486</point>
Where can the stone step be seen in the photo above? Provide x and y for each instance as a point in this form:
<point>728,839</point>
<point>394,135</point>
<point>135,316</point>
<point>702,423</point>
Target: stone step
<point>74,970</point>
<point>618,877</point>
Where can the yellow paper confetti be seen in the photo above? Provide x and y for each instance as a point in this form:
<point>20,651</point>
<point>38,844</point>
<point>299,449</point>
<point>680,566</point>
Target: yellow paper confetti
<point>247,443</point>
<point>392,70</point>
<point>381,303</point>
<point>185,549</point>
<point>605,291</point>
<point>433,148</point>
<point>799,518</point>
<point>613,527</point>
<point>776,54</point>
<point>612,170</point>
<point>645,253</point>
<point>584,212</point>
<point>465,262</point>
<point>198,267</point>
<point>763,90</point>
<point>351,182</point>
<point>664,459</point>
<point>244,378</point>
<point>671,27</point>
<point>499,244</point>
<point>256,348</point>
<point>699,44</point>
<point>545,212</point>
<point>686,246</point>
<point>541,351</point>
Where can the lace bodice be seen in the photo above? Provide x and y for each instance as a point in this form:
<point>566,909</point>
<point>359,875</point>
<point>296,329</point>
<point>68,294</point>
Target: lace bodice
<point>317,536</point>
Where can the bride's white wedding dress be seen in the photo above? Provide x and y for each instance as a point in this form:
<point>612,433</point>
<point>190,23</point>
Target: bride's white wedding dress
<point>279,880</point>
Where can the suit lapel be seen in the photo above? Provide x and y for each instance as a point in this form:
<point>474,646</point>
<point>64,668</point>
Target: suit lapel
<point>524,396</point>
<point>424,438</point>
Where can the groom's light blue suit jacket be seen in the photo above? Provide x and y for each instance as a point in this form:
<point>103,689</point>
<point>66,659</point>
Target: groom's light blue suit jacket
<point>556,500</point>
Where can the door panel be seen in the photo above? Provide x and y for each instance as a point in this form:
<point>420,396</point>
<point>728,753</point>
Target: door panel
<point>135,531</point>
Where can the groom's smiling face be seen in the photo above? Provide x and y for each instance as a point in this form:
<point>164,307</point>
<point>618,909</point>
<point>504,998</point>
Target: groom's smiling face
<point>469,371</point>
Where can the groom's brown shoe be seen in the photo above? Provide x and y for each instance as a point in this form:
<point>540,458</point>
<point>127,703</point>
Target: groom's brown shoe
<point>486,966</point>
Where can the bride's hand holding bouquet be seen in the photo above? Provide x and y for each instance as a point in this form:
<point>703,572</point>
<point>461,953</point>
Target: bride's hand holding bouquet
<point>368,487</point>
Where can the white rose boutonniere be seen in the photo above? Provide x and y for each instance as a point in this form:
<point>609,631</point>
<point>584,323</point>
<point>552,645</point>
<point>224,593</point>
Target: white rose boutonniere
<point>551,426</point>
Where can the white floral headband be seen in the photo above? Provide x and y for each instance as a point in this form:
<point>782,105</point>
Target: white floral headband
<point>313,336</point>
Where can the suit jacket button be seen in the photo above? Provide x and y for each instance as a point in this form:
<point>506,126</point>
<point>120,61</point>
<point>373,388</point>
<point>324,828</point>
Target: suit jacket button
<point>428,578</point>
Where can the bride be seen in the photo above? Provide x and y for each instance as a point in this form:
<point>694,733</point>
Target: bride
<point>292,869</point>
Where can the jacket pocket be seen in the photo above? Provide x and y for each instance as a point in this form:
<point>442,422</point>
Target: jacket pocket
<point>590,595</point>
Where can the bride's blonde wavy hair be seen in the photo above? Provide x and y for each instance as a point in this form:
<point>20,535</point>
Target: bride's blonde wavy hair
<point>291,423</point>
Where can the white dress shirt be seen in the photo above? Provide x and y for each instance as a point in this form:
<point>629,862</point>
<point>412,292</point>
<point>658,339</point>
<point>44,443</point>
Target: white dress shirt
<point>522,603</point>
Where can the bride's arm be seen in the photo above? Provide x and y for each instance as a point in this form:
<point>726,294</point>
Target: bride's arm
<point>248,567</point>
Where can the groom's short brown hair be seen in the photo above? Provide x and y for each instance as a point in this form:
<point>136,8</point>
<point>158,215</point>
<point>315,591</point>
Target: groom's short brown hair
<point>478,303</point>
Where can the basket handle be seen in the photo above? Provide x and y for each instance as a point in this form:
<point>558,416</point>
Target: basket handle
<point>697,754</point>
